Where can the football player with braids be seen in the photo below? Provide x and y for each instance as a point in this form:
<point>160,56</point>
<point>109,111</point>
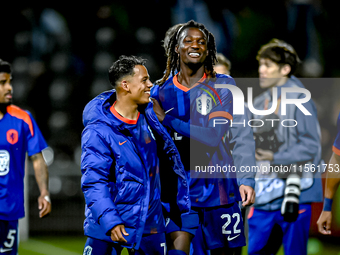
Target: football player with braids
<point>172,64</point>
<point>188,103</point>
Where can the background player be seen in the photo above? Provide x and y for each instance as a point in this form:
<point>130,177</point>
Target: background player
<point>19,134</point>
<point>120,167</point>
<point>168,34</point>
<point>192,53</point>
<point>332,184</point>
<point>223,65</point>
<point>278,145</point>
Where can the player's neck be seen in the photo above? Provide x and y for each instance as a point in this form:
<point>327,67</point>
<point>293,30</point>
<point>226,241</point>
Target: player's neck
<point>127,110</point>
<point>188,76</point>
<point>282,81</point>
<point>3,109</point>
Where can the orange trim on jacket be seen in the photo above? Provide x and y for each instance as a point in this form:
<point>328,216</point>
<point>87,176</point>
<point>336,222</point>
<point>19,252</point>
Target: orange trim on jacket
<point>223,114</point>
<point>120,117</point>
<point>186,89</point>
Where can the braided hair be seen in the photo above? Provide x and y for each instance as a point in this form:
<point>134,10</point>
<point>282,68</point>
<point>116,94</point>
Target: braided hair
<point>173,62</point>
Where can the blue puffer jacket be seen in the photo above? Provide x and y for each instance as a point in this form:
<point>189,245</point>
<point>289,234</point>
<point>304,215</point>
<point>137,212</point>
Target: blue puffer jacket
<point>115,192</point>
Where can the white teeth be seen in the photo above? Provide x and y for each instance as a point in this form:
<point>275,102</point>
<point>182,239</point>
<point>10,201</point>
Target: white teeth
<point>194,54</point>
<point>147,92</point>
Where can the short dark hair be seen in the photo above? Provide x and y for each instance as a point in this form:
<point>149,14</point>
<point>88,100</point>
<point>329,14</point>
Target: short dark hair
<point>122,67</point>
<point>5,67</point>
<point>281,53</point>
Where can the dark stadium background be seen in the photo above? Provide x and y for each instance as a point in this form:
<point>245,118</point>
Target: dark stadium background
<point>61,52</point>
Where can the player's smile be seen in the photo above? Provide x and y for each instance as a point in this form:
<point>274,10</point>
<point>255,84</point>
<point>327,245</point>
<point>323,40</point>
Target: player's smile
<point>140,85</point>
<point>194,54</point>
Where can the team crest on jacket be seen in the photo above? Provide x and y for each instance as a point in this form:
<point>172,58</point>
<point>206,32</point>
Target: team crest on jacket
<point>204,104</point>
<point>4,162</point>
<point>12,136</point>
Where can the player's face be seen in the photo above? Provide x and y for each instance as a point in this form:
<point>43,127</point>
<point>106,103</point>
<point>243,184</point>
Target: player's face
<point>270,73</point>
<point>140,85</point>
<point>5,88</point>
<point>192,46</point>
<point>221,69</point>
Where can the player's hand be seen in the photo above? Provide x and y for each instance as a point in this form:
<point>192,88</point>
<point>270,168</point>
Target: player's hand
<point>264,155</point>
<point>247,195</point>
<point>324,222</point>
<point>44,205</point>
<point>158,110</point>
<point>117,234</point>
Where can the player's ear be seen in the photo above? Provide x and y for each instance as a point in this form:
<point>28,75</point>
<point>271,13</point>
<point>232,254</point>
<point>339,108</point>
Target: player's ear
<point>285,70</point>
<point>176,49</point>
<point>124,84</point>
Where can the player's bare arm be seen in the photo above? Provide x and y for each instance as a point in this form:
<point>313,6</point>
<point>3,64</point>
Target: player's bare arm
<point>332,184</point>
<point>41,176</point>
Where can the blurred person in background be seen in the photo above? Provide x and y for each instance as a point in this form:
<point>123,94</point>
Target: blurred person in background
<point>282,209</point>
<point>168,34</point>
<point>191,55</point>
<point>332,184</point>
<point>223,64</point>
<point>19,134</point>
<point>120,166</point>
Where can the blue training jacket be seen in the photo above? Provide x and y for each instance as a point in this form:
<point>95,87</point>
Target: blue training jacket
<point>116,193</point>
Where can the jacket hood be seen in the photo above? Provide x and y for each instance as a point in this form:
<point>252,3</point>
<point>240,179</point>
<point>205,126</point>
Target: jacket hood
<point>98,109</point>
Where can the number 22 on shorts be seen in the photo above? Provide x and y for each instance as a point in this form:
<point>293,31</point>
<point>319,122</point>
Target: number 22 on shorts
<point>234,228</point>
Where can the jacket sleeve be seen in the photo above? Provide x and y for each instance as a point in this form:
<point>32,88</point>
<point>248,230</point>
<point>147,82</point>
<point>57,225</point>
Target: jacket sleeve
<point>308,141</point>
<point>96,162</point>
<point>213,133</point>
<point>243,149</point>
<point>155,93</point>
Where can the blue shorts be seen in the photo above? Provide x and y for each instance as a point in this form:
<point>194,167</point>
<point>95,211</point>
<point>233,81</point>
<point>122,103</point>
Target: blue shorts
<point>150,244</point>
<point>188,222</point>
<point>197,246</point>
<point>268,230</point>
<point>9,237</point>
<point>220,226</point>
